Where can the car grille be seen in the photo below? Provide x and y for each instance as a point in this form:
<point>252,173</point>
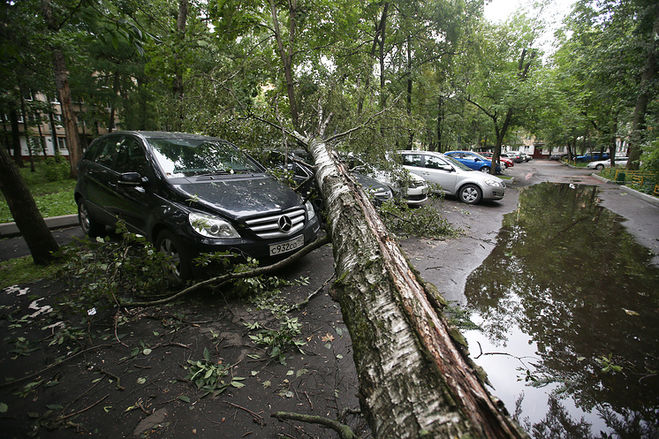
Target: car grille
<point>417,197</point>
<point>267,227</point>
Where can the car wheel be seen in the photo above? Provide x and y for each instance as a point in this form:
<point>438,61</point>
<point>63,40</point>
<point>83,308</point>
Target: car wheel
<point>599,167</point>
<point>470,194</point>
<point>485,169</point>
<point>88,225</point>
<point>178,264</point>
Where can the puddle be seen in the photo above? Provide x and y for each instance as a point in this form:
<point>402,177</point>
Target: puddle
<point>568,304</point>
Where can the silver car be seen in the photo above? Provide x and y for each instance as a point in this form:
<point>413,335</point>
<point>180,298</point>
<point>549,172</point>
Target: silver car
<point>601,164</point>
<point>452,177</point>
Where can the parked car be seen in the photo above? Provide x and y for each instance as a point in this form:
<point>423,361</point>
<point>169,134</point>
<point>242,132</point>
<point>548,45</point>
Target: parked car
<point>452,177</point>
<point>190,194</point>
<point>592,156</point>
<point>557,156</point>
<point>601,164</point>
<point>473,160</point>
<point>297,163</point>
<point>410,188</point>
<point>502,158</point>
<point>378,190</point>
<point>516,156</point>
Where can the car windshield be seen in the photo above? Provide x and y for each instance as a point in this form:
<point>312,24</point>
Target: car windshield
<point>457,164</point>
<point>183,157</point>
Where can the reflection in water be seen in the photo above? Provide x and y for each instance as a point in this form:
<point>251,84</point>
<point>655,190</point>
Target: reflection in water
<point>568,301</point>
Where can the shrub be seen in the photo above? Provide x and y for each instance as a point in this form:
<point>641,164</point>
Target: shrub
<point>54,171</point>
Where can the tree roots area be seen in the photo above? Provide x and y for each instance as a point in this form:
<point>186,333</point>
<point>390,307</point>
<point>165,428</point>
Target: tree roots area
<point>211,364</point>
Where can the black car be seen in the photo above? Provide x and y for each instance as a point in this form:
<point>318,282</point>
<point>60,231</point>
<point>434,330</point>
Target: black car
<point>190,194</point>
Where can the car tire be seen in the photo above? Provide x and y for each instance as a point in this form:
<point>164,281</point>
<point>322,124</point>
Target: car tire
<point>470,194</point>
<point>485,169</point>
<point>179,267</point>
<point>87,223</point>
<point>599,167</point>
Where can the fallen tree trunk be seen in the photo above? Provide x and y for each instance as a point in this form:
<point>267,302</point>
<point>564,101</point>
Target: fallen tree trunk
<point>414,381</point>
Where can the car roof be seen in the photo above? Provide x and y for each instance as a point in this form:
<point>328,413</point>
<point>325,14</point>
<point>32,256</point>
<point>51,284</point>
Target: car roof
<point>164,134</point>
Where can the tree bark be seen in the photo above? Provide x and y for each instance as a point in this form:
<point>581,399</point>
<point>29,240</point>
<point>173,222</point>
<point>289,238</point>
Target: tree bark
<point>286,56</point>
<point>414,381</point>
<point>15,138</point>
<point>177,87</point>
<point>638,120</point>
<point>63,91</point>
<point>26,132</point>
<point>381,42</point>
<point>25,212</point>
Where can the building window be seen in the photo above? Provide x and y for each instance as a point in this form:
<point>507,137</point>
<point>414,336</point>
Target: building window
<point>61,143</point>
<point>27,95</point>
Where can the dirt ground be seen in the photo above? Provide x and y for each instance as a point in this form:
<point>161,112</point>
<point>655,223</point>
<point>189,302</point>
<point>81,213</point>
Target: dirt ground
<point>133,383</point>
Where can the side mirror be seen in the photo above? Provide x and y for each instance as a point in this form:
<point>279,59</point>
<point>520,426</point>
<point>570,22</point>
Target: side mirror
<point>132,179</point>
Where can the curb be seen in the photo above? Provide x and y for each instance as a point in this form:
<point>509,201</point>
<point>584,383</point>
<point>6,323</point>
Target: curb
<point>55,222</point>
<point>649,198</point>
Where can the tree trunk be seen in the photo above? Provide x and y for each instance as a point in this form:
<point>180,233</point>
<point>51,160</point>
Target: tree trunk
<point>379,29</point>
<point>383,34</point>
<point>286,56</point>
<point>53,129</point>
<point>15,138</point>
<point>26,132</point>
<point>42,139</point>
<point>638,120</point>
<point>177,87</point>
<point>414,381</point>
<point>68,115</point>
<point>440,119</point>
<point>25,212</point>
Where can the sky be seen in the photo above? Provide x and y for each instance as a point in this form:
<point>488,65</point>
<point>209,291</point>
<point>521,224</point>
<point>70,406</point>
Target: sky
<point>497,11</point>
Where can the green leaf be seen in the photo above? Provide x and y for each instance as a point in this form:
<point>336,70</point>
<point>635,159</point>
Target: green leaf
<point>3,407</point>
<point>184,398</point>
<point>237,384</point>
<point>141,380</point>
<point>147,351</point>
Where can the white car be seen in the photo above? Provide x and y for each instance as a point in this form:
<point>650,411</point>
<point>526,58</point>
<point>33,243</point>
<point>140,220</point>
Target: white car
<point>601,164</point>
<point>452,177</point>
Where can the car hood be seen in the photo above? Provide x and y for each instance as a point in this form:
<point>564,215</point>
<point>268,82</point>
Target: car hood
<point>238,197</point>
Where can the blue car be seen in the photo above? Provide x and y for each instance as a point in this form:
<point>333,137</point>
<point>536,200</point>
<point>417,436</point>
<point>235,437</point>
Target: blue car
<point>473,160</point>
<point>592,156</point>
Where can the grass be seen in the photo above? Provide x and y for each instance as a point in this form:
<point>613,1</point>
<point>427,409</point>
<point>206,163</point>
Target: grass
<point>51,188</point>
<point>23,270</point>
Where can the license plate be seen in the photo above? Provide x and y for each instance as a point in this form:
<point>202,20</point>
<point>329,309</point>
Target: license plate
<point>287,246</point>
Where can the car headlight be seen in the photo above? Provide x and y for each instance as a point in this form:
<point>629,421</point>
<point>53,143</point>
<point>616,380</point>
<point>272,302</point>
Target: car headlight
<point>211,226</point>
<point>311,213</point>
<point>492,182</point>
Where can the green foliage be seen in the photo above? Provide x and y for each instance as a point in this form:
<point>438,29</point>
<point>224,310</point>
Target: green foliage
<point>211,377</point>
<point>54,171</point>
<point>105,269</point>
<point>650,158</point>
<point>23,270</point>
<point>608,366</point>
<point>278,341</point>
<point>405,221</point>
<point>51,188</point>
